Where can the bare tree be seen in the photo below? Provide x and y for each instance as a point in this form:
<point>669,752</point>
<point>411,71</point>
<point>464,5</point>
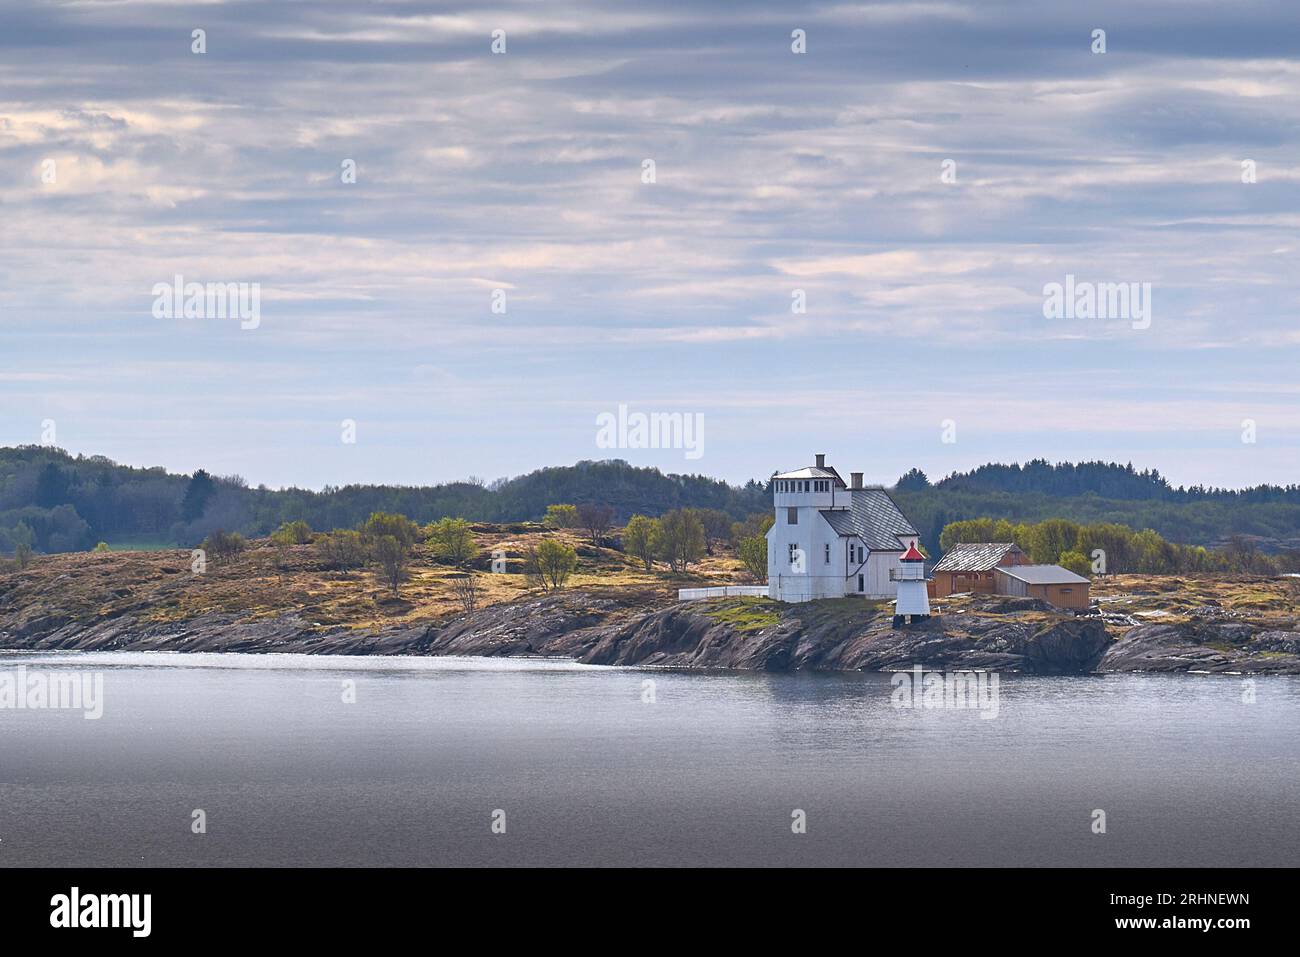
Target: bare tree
<point>466,589</point>
<point>597,520</point>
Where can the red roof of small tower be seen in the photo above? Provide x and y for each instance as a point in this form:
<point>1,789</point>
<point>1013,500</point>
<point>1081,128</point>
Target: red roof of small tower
<point>912,555</point>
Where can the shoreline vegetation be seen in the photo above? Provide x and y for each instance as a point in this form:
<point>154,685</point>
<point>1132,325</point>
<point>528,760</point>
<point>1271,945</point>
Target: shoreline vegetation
<point>578,586</point>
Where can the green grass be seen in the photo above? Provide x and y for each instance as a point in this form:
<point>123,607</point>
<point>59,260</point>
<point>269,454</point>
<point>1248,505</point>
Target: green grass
<point>141,545</point>
<point>747,614</point>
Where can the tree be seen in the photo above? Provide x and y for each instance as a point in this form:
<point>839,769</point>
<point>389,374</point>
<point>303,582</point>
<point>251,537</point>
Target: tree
<point>1076,562</point>
<point>596,519</point>
<point>550,563</point>
<point>717,527</point>
<point>385,524</point>
<point>681,538</point>
<point>465,588</point>
<point>753,553</point>
<point>913,480</point>
<point>754,525</point>
<point>641,539</point>
<point>1048,539</point>
<point>452,541</point>
<point>392,556</point>
<point>561,516</point>
<point>343,550</point>
<point>197,495</point>
<point>23,555</point>
<point>52,486</point>
<point>102,547</point>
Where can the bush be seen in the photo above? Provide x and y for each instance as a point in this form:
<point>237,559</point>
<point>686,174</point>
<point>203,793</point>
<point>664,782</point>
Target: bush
<point>222,545</point>
<point>292,533</point>
<point>343,550</point>
<point>381,524</point>
<point>561,516</point>
<point>452,541</point>
<point>550,564</point>
<point>102,547</point>
<point>1076,562</point>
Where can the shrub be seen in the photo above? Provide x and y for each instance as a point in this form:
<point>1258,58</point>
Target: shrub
<point>452,541</point>
<point>343,550</point>
<point>550,564</point>
<point>292,533</point>
<point>223,545</point>
<point>561,516</point>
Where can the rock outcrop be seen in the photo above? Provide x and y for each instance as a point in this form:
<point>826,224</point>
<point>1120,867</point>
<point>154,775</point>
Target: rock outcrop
<point>1205,646</point>
<point>605,627</point>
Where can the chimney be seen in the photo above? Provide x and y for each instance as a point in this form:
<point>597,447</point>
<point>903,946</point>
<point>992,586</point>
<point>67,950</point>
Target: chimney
<point>821,460</point>
<point>856,478</point>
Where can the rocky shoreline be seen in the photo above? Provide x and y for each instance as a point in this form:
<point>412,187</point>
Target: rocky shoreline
<point>600,627</point>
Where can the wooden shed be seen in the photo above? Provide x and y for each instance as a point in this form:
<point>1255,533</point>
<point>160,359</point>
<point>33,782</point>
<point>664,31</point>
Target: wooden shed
<point>968,567</point>
<point>1052,583</point>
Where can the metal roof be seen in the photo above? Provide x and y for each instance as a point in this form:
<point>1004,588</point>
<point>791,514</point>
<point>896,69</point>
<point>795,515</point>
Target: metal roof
<point>974,556</point>
<point>873,517</point>
<point>811,472</point>
<point>1042,574</point>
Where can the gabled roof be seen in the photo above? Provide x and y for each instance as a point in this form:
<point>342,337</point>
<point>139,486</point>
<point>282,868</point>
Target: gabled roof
<point>974,556</point>
<point>1042,574</point>
<point>873,517</point>
<point>811,472</point>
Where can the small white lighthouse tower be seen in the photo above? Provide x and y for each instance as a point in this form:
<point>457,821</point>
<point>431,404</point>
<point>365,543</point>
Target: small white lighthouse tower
<point>913,602</point>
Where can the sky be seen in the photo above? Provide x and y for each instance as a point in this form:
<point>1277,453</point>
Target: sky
<point>840,250</point>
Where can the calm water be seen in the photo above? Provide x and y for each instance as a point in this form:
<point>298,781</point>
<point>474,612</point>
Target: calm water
<point>589,774</point>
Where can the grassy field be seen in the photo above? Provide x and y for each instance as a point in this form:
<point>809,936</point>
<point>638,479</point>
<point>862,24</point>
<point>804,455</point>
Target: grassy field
<point>157,585</point>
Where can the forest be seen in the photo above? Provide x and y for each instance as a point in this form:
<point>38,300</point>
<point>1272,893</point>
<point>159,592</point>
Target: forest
<point>52,501</point>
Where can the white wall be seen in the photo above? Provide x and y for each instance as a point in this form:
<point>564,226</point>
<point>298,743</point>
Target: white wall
<point>813,534</point>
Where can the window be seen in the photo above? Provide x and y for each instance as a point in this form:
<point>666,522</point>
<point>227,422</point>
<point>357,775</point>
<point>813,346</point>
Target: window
<point>1066,591</point>
<point>862,585</point>
<point>828,554</point>
<point>793,549</point>
<point>792,516</point>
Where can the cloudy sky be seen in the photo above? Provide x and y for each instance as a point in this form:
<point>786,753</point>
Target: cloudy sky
<point>127,159</point>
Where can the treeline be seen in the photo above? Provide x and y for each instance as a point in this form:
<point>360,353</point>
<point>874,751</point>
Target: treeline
<point>51,501</point>
<point>1104,479</point>
<point>58,502</point>
<point>1108,548</point>
<point>1206,522</point>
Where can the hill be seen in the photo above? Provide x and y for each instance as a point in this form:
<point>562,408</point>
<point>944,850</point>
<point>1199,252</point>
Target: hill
<point>60,502</point>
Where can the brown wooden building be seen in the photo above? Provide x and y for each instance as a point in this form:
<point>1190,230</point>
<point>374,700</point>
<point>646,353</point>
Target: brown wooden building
<point>1052,583</point>
<point>968,567</point>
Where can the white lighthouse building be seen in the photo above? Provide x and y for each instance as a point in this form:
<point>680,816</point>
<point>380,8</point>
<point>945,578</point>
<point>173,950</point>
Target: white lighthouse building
<point>832,539</point>
<point>913,602</point>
